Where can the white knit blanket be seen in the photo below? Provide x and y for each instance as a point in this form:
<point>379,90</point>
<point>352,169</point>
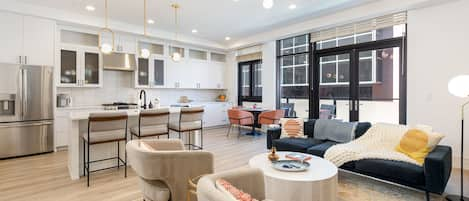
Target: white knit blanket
<point>378,142</point>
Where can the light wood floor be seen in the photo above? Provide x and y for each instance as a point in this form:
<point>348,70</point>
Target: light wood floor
<point>45,177</point>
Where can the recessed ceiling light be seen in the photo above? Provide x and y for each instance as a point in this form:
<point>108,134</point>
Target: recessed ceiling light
<point>268,4</point>
<point>292,6</point>
<point>227,38</point>
<point>150,21</point>
<point>235,0</point>
<point>90,8</point>
<point>194,31</point>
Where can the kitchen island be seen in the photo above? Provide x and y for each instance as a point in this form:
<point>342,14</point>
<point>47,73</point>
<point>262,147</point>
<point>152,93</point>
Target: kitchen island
<point>78,123</point>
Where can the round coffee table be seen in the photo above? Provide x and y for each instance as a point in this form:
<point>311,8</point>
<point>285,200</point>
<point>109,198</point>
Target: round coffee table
<point>318,183</point>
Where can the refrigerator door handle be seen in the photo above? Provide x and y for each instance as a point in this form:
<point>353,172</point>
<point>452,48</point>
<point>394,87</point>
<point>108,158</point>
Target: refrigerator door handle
<point>25,92</point>
<point>25,124</point>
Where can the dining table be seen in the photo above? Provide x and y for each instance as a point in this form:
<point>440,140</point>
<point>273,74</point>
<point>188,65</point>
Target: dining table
<point>255,112</point>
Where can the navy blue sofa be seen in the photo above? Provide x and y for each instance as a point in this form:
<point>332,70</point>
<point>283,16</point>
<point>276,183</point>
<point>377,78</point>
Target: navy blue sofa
<point>431,178</point>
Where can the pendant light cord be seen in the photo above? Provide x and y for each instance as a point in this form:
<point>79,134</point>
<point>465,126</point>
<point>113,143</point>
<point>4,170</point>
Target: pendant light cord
<point>145,17</point>
<point>176,7</point>
<point>106,14</point>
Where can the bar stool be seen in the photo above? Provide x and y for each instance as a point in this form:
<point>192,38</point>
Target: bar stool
<point>104,128</point>
<point>151,123</point>
<point>190,119</point>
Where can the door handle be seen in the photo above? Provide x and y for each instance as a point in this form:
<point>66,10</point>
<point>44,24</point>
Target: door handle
<point>25,59</point>
<point>18,124</point>
<point>19,60</point>
<point>25,91</point>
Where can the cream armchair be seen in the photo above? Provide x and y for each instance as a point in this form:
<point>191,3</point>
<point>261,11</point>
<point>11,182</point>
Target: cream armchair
<point>249,180</point>
<point>164,167</point>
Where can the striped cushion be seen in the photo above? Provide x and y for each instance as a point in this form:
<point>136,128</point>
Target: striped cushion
<point>292,128</point>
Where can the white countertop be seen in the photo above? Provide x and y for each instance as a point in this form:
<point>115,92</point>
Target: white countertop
<point>84,114</point>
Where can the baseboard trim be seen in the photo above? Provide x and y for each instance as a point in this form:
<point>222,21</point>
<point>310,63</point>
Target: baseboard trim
<point>457,162</point>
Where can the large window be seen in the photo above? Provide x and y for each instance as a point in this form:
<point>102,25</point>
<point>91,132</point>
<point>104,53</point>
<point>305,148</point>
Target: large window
<point>250,81</point>
<point>360,76</point>
<point>293,68</point>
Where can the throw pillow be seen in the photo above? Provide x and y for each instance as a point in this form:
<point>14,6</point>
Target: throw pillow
<point>231,192</point>
<point>292,128</point>
<point>417,143</point>
<point>334,130</point>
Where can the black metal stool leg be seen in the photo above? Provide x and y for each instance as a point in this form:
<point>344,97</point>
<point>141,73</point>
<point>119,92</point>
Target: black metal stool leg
<point>88,165</point>
<point>190,145</point>
<point>84,157</point>
<point>118,154</point>
<point>125,165</point>
<point>201,139</point>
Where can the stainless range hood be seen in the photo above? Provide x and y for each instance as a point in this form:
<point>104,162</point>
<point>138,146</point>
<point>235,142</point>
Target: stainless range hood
<point>119,61</point>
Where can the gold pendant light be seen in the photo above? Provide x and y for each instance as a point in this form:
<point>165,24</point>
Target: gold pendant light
<point>106,48</point>
<point>144,52</point>
<point>176,55</point>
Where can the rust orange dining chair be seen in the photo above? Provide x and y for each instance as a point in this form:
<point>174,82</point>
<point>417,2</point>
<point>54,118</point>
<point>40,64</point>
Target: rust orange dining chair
<point>271,117</point>
<point>240,118</point>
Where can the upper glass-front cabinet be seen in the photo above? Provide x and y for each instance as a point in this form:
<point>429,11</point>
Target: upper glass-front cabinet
<point>80,67</point>
<point>151,72</point>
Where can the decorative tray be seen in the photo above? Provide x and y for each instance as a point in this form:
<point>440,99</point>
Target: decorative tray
<point>290,165</point>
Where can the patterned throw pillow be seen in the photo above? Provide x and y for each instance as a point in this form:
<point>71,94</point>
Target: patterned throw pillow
<point>292,128</point>
<point>417,143</point>
<point>231,192</point>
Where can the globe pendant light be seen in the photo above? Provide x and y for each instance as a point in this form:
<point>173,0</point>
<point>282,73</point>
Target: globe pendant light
<point>106,48</point>
<point>268,4</point>
<point>144,52</point>
<point>176,55</point>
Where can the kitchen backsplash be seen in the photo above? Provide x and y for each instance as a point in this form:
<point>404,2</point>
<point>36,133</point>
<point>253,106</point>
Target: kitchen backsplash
<point>118,87</point>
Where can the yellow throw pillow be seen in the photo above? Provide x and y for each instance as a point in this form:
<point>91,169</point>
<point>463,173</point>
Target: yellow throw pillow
<point>292,128</point>
<point>417,144</point>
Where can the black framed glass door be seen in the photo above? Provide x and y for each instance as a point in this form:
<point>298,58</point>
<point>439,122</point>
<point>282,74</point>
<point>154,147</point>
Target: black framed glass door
<point>360,82</point>
<point>250,81</point>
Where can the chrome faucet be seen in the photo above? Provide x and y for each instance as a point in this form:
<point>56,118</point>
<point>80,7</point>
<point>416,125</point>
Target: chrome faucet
<point>144,93</point>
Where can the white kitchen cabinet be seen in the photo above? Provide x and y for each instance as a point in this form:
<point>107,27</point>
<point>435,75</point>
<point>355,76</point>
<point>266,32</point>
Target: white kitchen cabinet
<point>61,128</point>
<point>38,42</point>
<point>181,74</point>
<point>80,67</point>
<point>217,71</point>
<point>11,48</point>
<point>215,114</point>
<point>151,72</point>
<point>26,40</point>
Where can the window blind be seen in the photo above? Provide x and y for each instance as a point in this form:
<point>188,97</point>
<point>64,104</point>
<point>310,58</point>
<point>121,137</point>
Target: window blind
<point>249,54</point>
<point>360,27</point>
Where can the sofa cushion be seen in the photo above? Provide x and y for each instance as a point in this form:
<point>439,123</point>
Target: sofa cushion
<point>295,144</point>
<point>361,128</point>
<point>320,149</point>
<point>335,130</point>
<point>394,171</point>
<point>309,127</point>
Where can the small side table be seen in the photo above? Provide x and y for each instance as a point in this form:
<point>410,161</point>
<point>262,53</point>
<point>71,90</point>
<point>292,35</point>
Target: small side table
<point>318,183</point>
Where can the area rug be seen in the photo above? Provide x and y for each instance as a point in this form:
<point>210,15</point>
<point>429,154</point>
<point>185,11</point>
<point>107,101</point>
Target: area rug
<point>354,187</point>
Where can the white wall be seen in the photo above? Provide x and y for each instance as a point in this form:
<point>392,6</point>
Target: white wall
<point>269,75</point>
<point>437,50</point>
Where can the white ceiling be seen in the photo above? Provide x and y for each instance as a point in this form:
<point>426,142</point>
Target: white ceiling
<point>214,19</point>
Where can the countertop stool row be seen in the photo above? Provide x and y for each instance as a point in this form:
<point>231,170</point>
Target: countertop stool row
<point>112,128</point>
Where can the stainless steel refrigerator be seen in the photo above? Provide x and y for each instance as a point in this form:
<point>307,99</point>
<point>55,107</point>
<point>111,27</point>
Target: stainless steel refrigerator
<point>26,110</point>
